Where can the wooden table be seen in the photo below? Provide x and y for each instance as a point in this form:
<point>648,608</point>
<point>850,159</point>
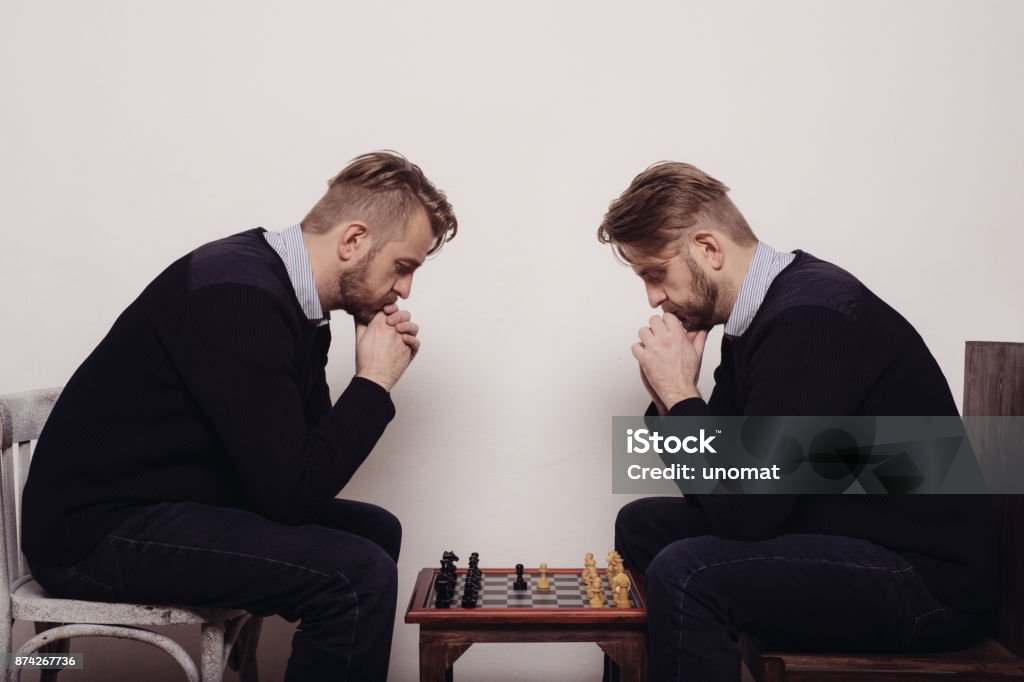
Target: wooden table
<point>445,634</point>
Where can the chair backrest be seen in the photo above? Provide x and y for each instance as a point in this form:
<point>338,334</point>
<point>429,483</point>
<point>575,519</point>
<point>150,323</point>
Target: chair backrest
<point>22,416</point>
<point>994,387</point>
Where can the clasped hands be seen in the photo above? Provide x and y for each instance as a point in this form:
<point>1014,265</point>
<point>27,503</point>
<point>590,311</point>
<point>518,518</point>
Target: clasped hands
<point>386,346</point>
<point>669,358</point>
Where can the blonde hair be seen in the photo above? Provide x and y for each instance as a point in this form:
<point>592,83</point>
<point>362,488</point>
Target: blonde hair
<point>383,188</point>
<point>666,200</point>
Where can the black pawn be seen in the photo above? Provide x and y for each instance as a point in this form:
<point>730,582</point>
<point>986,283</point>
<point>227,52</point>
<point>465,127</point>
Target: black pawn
<point>519,584</point>
<point>469,597</point>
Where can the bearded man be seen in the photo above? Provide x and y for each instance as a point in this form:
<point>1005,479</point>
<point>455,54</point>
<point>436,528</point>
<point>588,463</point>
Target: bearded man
<point>195,456</point>
<point>802,338</point>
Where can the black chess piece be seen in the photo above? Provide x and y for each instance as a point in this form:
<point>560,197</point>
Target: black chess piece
<point>444,589</point>
<point>469,595</point>
<point>519,584</point>
<point>448,560</point>
<point>447,570</point>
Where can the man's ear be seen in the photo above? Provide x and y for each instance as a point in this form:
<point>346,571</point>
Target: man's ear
<point>708,247</point>
<point>353,239</point>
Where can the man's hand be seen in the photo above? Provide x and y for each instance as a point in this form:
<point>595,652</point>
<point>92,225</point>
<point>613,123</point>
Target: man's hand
<point>382,353</point>
<point>401,320</point>
<point>669,358</point>
<point>660,406</point>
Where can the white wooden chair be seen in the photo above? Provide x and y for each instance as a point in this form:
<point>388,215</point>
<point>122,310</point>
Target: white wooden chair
<point>58,620</point>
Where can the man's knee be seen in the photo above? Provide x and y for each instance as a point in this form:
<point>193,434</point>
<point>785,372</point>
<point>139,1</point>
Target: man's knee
<point>365,520</point>
<point>390,533</point>
<point>630,522</point>
<point>634,539</point>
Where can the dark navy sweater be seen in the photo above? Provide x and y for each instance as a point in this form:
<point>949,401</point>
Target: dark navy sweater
<point>822,344</point>
<point>210,387</point>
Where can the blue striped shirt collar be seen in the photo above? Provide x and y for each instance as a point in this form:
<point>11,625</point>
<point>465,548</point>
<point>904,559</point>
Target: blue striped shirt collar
<point>292,249</point>
<point>765,266</point>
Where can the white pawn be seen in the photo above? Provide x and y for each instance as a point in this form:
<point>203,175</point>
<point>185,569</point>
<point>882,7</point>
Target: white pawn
<point>596,593</point>
<point>543,583</point>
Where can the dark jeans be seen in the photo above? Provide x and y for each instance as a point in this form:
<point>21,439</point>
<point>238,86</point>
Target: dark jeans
<point>810,592</point>
<point>338,577</point>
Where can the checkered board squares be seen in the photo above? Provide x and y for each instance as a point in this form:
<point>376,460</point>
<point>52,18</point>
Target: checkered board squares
<point>567,592</point>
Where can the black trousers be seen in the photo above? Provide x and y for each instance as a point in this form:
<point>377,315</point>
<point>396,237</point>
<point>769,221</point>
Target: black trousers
<point>338,577</point>
<point>799,591</point>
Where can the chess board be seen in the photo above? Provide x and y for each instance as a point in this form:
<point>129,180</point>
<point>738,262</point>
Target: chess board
<point>566,592</point>
<point>565,601</point>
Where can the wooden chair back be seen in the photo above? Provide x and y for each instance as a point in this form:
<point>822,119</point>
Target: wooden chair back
<point>994,387</point>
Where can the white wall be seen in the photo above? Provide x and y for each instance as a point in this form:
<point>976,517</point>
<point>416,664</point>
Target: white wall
<point>883,136</point>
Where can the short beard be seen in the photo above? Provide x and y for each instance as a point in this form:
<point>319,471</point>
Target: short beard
<point>355,299</point>
<point>702,316</point>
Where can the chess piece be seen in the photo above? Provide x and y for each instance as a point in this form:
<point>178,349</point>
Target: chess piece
<point>543,583</point>
<point>614,564</point>
<point>596,593</point>
<point>469,595</point>
<point>588,563</point>
<point>450,558</point>
<point>519,584</point>
<point>620,590</point>
<point>444,589</point>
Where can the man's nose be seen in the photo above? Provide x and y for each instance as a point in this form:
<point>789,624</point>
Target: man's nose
<point>403,287</point>
<point>655,295</point>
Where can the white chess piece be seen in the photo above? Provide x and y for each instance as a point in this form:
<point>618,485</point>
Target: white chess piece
<point>543,583</point>
<point>596,593</point>
<point>620,589</point>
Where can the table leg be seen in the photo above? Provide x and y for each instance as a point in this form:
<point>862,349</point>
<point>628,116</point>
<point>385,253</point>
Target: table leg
<point>611,670</point>
<point>437,656</point>
<point>631,657</point>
